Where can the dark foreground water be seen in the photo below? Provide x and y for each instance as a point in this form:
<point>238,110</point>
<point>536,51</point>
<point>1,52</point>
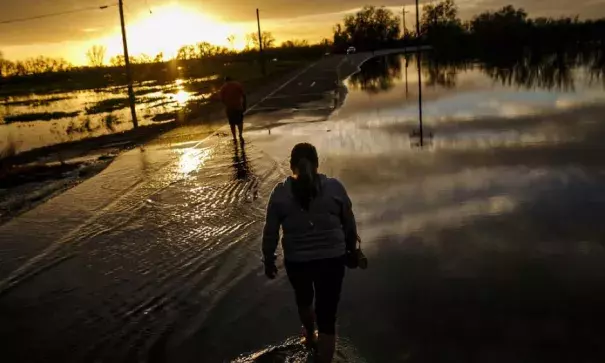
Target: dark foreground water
<point>485,244</point>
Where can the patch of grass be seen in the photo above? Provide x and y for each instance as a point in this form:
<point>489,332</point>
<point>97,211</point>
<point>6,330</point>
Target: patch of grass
<point>146,91</point>
<point>35,102</point>
<point>110,121</point>
<point>109,105</point>
<point>150,99</point>
<point>85,126</point>
<point>41,116</point>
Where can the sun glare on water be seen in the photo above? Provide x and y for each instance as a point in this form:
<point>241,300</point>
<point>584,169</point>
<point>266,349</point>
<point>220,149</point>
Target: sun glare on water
<point>169,28</point>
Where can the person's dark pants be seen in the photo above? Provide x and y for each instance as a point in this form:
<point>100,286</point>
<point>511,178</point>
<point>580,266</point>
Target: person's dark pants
<point>236,119</point>
<point>322,280</point>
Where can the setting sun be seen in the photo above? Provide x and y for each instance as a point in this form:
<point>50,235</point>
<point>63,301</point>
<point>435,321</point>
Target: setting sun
<point>170,27</point>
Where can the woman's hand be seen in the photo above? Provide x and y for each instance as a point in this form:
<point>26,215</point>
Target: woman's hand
<point>271,271</point>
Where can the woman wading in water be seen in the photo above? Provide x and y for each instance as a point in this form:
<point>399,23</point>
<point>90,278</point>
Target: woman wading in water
<point>319,231</point>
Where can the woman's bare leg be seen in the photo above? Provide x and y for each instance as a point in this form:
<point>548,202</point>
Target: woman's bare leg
<point>326,345</point>
<point>233,131</point>
<point>240,128</point>
<point>307,317</point>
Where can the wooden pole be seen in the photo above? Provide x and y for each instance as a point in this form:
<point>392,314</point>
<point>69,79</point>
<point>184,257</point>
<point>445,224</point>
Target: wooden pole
<point>131,98</point>
<point>260,45</point>
<point>404,27</point>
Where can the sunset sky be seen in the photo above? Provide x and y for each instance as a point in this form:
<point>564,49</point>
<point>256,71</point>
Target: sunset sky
<point>164,25</point>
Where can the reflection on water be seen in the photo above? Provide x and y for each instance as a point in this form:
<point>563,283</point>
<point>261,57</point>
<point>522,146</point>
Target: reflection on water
<point>474,104</point>
<point>493,233</point>
<point>552,72</point>
<point>240,162</point>
<point>379,74</point>
<point>50,119</point>
<point>292,350</point>
<point>192,159</point>
<point>182,97</point>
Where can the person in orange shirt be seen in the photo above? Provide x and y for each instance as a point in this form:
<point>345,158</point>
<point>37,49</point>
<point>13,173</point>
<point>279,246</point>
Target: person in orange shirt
<point>234,98</point>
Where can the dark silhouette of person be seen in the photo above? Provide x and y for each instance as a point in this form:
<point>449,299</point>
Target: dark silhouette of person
<point>234,98</point>
<point>319,230</point>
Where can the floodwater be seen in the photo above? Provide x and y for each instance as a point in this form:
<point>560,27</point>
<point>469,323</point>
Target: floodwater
<point>485,240</point>
<point>92,113</point>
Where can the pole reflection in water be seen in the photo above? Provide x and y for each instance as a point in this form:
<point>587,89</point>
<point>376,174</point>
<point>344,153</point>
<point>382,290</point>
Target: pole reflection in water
<point>419,64</point>
<point>407,64</point>
<point>418,133</point>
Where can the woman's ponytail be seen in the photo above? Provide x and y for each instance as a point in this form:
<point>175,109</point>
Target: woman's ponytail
<point>304,162</point>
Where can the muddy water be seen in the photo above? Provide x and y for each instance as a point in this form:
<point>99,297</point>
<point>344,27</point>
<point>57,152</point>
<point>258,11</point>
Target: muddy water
<point>91,113</point>
<point>485,244</point>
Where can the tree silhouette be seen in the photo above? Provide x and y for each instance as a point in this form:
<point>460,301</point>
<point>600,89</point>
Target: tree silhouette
<point>441,27</point>
<point>440,15</point>
<point>249,40</point>
<point>186,52</point>
<point>3,72</point>
<point>30,66</point>
<point>231,41</point>
<point>141,59</point>
<point>268,39</point>
<point>96,55</point>
<point>369,29</point>
<point>295,43</point>
<point>117,61</point>
<point>507,29</point>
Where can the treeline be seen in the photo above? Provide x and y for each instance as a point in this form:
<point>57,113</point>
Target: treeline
<point>158,69</point>
<point>205,50</point>
<point>36,65</point>
<point>202,51</point>
<point>508,30</point>
<point>369,29</point>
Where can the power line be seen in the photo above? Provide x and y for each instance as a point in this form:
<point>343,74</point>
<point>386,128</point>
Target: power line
<point>19,20</point>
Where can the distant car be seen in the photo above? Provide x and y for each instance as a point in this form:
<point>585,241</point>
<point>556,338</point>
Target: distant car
<point>351,50</point>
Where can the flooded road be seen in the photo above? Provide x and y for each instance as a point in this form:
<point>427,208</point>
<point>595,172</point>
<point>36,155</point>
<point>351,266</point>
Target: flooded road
<point>485,244</point>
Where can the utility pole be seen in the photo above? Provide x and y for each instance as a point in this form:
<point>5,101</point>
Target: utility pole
<point>260,45</point>
<point>417,20</point>
<point>405,30</point>
<point>133,110</point>
<point>419,58</point>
